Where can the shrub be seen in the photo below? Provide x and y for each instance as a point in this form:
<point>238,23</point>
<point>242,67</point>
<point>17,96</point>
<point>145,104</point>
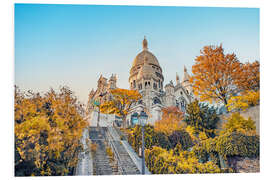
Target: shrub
<point>202,118</point>
<point>227,145</point>
<point>135,137</point>
<point>160,139</point>
<point>237,123</point>
<point>180,137</point>
<point>160,161</point>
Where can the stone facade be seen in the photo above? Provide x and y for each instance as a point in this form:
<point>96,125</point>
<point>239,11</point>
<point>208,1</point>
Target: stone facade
<point>146,76</point>
<point>101,93</point>
<point>244,164</point>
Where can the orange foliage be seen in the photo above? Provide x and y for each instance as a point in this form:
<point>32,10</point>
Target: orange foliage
<point>214,73</point>
<point>249,78</point>
<point>170,121</point>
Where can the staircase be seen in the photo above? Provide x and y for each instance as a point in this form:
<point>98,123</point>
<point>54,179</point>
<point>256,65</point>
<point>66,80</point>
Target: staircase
<point>128,166</point>
<point>114,134</point>
<point>101,161</point>
<point>125,163</point>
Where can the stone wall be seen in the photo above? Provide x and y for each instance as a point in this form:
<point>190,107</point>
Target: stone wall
<point>244,164</point>
<point>104,121</point>
<point>248,165</point>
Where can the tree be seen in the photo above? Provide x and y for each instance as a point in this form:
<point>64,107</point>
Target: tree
<point>47,132</point>
<point>202,118</point>
<point>214,73</point>
<point>249,77</point>
<point>121,103</point>
<point>170,121</point>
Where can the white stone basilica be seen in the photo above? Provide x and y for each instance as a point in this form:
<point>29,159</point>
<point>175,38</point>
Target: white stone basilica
<point>146,77</point>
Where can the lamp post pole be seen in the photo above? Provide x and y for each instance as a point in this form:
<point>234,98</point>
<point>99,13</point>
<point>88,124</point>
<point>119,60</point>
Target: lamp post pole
<point>143,118</point>
<point>100,97</point>
<point>143,163</point>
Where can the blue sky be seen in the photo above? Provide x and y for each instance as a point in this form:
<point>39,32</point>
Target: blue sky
<point>73,44</point>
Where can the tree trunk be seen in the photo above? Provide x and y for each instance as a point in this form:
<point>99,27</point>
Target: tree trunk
<point>124,125</point>
<point>225,104</point>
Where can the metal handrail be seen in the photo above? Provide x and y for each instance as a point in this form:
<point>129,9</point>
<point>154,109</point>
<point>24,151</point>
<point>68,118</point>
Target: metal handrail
<point>108,138</point>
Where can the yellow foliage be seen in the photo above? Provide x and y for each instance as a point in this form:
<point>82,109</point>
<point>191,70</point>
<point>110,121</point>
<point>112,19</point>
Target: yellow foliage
<point>47,128</point>
<point>161,161</point>
<point>202,136</point>
<point>122,100</point>
<point>242,102</point>
<point>237,123</point>
<point>192,132</point>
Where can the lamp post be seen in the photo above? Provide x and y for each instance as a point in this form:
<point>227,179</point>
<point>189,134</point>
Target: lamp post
<point>97,103</point>
<point>142,119</point>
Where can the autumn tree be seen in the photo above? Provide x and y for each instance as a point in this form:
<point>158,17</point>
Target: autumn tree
<point>120,103</point>
<point>202,118</point>
<point>48,129</point>
<point>248,79</point>
<point>214,73</point>
<point>170,121</point>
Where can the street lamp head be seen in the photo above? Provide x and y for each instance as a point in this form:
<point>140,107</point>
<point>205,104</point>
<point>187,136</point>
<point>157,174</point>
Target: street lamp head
<point>143,118</point>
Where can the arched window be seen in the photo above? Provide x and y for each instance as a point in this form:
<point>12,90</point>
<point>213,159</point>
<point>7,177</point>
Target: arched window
<point>155,86</point>
<point>145,84</point>
<point>183,104</point>
<point>156,100</point>
<point>134,83</point>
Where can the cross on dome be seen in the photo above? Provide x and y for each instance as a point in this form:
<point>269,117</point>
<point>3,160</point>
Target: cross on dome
<point>145,44</point>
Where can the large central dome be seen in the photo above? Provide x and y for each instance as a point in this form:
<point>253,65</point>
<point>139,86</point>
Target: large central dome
<point>146,71</point>
<point>152,60</point>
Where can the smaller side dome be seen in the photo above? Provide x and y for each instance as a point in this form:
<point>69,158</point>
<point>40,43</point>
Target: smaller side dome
<point>146,70</point>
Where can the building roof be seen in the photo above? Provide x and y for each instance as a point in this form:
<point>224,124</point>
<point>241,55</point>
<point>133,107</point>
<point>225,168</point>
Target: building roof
<point>139,59</point>
<point>186,76</point>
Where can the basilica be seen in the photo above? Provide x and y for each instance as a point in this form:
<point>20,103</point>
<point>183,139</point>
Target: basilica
<point>146,76</point>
